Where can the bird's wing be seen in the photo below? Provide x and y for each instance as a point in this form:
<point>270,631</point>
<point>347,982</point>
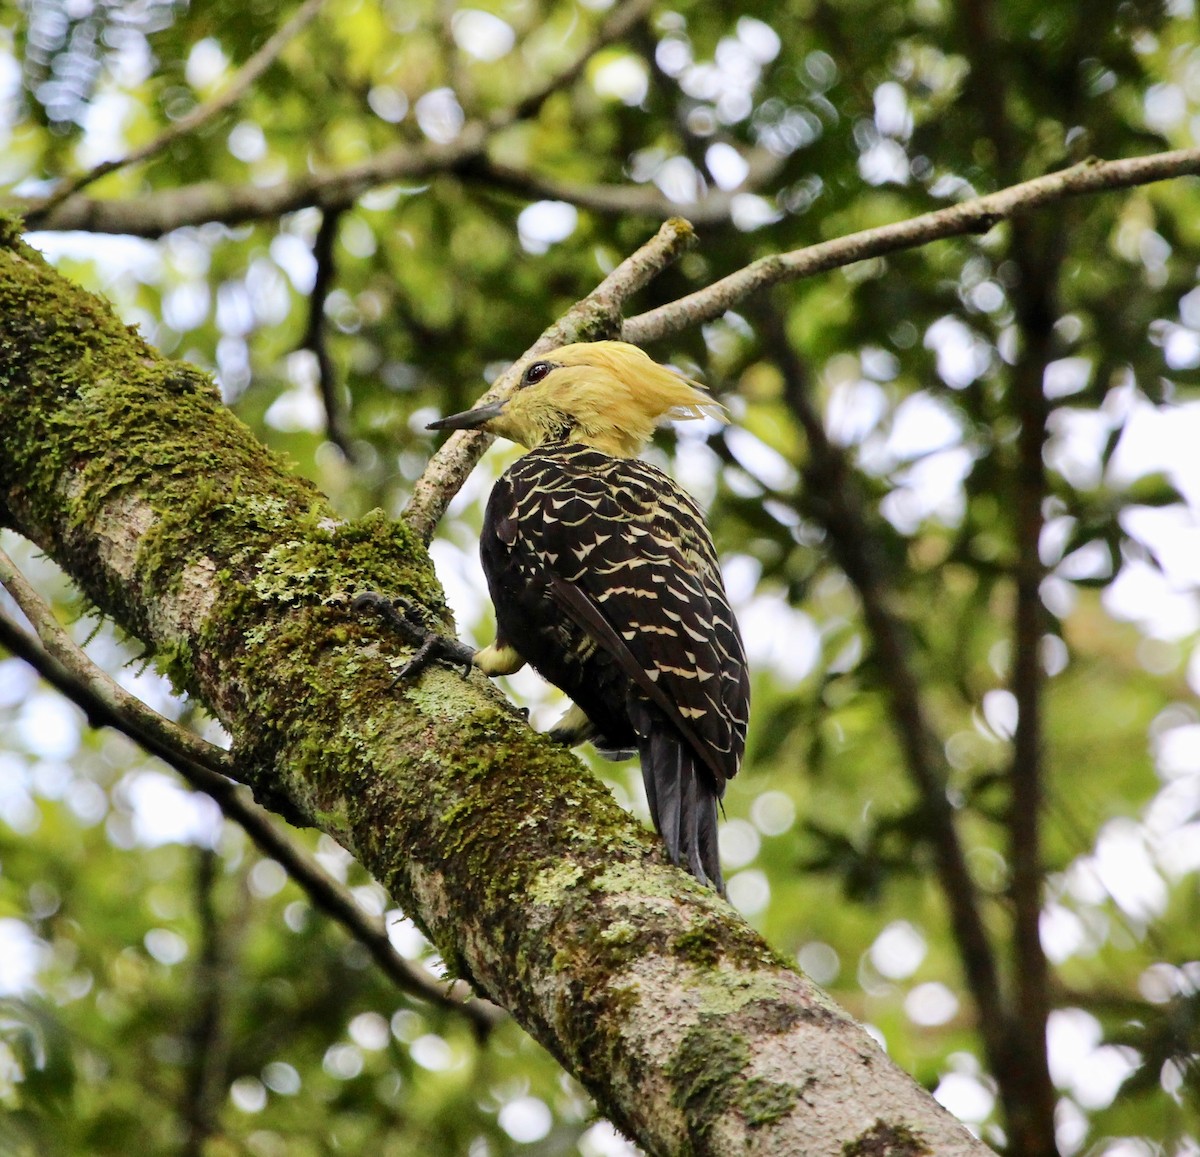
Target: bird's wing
<point>630,561</point>
<point>587,615</point>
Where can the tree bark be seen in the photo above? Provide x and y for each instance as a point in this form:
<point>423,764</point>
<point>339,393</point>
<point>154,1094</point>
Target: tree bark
<point>692,1034</point>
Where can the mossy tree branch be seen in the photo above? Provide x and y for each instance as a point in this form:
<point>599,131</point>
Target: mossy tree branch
<point>692,1034</point>
<point>976,215</point>
<point>209,769</point>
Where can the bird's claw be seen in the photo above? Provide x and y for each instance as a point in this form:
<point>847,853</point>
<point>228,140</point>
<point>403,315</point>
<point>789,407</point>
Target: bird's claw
<point>436,648</point>
<point>408,621</point>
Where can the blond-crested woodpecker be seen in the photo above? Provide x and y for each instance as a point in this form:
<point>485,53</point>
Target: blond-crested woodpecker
<point>605,580</point>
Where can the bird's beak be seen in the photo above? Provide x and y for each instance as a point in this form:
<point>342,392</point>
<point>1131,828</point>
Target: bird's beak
<point>469,419</point>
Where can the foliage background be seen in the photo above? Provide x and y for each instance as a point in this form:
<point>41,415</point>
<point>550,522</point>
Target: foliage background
<point>165,988</point>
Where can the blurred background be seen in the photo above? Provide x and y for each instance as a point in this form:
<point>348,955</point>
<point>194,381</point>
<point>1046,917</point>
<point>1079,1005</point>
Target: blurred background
<point>956,508</point>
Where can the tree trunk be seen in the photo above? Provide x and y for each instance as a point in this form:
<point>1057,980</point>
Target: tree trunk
<point>692,1034</point>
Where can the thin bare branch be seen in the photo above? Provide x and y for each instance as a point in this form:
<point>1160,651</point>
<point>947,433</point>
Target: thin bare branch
<point>315,334</point>
<point>206,1075</point>
<point>834,500</point>
<point>358,761</point>
<point>1028,1092</point>
<point>1038,249</point>
<point>210,770</point>
<point>104,700</point>
<point>977,215</point>
<point>714,208</point>
<point>154,214</point>
<point>157,213</point>
<point>201,115</point>
<point>595,316</point>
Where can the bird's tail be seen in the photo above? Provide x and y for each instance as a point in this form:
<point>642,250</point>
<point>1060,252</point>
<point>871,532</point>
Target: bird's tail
<point>683,803</point>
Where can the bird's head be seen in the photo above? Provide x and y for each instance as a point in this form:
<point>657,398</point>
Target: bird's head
<point>604,394</point>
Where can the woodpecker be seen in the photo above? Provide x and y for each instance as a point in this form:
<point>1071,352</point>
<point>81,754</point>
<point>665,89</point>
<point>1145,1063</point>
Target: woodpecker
<point>605,580</point>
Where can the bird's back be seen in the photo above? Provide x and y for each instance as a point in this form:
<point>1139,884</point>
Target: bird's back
<point>604,577</point>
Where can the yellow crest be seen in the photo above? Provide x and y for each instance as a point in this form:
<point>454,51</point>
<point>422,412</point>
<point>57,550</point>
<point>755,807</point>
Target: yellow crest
<point>605,394</point>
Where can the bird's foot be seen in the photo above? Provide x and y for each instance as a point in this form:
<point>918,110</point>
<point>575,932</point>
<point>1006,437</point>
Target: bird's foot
<point>575,728</point>
<point>410,622</point>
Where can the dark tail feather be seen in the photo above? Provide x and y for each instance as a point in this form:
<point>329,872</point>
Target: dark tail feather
<point>661,773</point>
<point>682,803</point>
<point>710,855</point>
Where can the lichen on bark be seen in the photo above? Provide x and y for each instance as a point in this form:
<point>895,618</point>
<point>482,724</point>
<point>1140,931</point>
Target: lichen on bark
<point>238,577</point>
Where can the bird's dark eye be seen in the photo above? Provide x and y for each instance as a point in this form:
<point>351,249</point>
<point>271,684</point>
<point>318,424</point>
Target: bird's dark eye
<point>536,373</point>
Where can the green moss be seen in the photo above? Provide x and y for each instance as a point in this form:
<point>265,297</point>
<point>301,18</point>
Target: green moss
<point>176,660</point>
<point>700,944</point>
<point>707,1069</point>
<point>704,1071</point>
<point>764,1102</point>
<point>620,932</point>
<point>436,782</point>
<point>711,940</point>
<point>619,877</point>
<point>11,228</point>
<point>885,1140</point>
<point>731,990</point>
<point>549,885</point>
